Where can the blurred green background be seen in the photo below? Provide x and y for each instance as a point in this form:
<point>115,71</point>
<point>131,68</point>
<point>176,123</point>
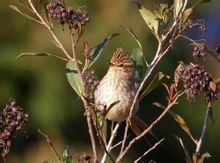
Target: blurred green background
<point>40,86</point>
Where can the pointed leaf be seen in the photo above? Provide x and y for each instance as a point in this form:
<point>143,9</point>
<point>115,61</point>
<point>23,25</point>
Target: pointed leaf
<point>187,154</point>
<point>130,31</point>
<point>181,122</point>
<point>150,19</point>
<point>159,105</point>
<point>111,106</point>
<point>33,54</point>
<point>186,14</point>
<point>74,78</point>
<point>157,81</point>
<point>15,8</point>
<point>177,7</point>
<point>97,51</point>
<point>178,69</point>
<point>25,54</point>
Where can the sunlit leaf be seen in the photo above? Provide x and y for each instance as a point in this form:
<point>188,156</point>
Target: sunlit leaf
<point>177,7</point>
<point>26,54</point>
<point>178,69</point>
<point>111,106</point>
<point>157,81</point>
<point>159,105</point>
<point>150,19</point>
<point>180,121</point>
<point>15,8</point>
<point>163,13</point>
<point>74,78</point>
<point>130,31</point>
<point>96,52</point>
<point>186,14</point>
<point>137,56</point>
<point>67,158</point>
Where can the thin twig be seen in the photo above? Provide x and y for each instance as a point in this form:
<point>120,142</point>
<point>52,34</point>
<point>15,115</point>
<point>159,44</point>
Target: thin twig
<point>147,74</point>
<point>116,145</point>
<point>60,45</point>
<point>76,63</point>
<point>174,102</point>
<point>50,144</point>
<point>125,137</point>
<point>204,129</point>
<point>149,150</point>
<point>88,110</point>
<point>108,148</point>
<point>102,141</point>
<point>92,138</point>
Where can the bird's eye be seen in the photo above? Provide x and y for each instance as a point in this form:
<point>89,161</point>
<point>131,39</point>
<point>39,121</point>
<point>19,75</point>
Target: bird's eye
<point>120,65</point>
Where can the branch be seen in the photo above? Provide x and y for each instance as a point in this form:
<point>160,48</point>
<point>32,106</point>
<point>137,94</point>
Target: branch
<point>108,148</point>
<point>131,143</point>
<point>149,150</point>
<point>76,63</point>
<point>92,138</point>
<point>91,134</point>
<point>59,44</point>
<point>50,144</point>
<point>204,129</point>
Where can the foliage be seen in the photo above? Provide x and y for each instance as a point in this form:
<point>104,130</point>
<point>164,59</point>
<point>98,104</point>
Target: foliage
<point>167,24</point>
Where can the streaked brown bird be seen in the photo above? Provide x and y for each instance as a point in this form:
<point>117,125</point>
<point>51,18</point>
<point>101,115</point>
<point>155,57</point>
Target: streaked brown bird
<point>116,91</point>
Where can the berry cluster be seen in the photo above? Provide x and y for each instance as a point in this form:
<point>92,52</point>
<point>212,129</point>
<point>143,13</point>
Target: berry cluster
<point>12,118</point>
<point>66,15</point>
<point>198,49</point>
<point>196,80</point>
<point>90,82</point>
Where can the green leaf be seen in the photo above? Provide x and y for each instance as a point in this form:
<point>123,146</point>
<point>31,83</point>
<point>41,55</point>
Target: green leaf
<point>25,54</point>
<point>137,56</point>
<point>177,7</point>
<point>67,158</point>
<point>15,8</point>
<point>150,19</point>
<point>130,31</point>
<point>97,51</point>
<point>33,54</point>
<point>157,80</point>
<point>163,13</point>
<point>74,78</point>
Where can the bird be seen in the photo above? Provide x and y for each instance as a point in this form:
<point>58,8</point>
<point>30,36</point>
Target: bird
<point>116,92</point>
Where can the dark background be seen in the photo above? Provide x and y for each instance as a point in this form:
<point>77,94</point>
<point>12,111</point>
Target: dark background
<point>40,86</point>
